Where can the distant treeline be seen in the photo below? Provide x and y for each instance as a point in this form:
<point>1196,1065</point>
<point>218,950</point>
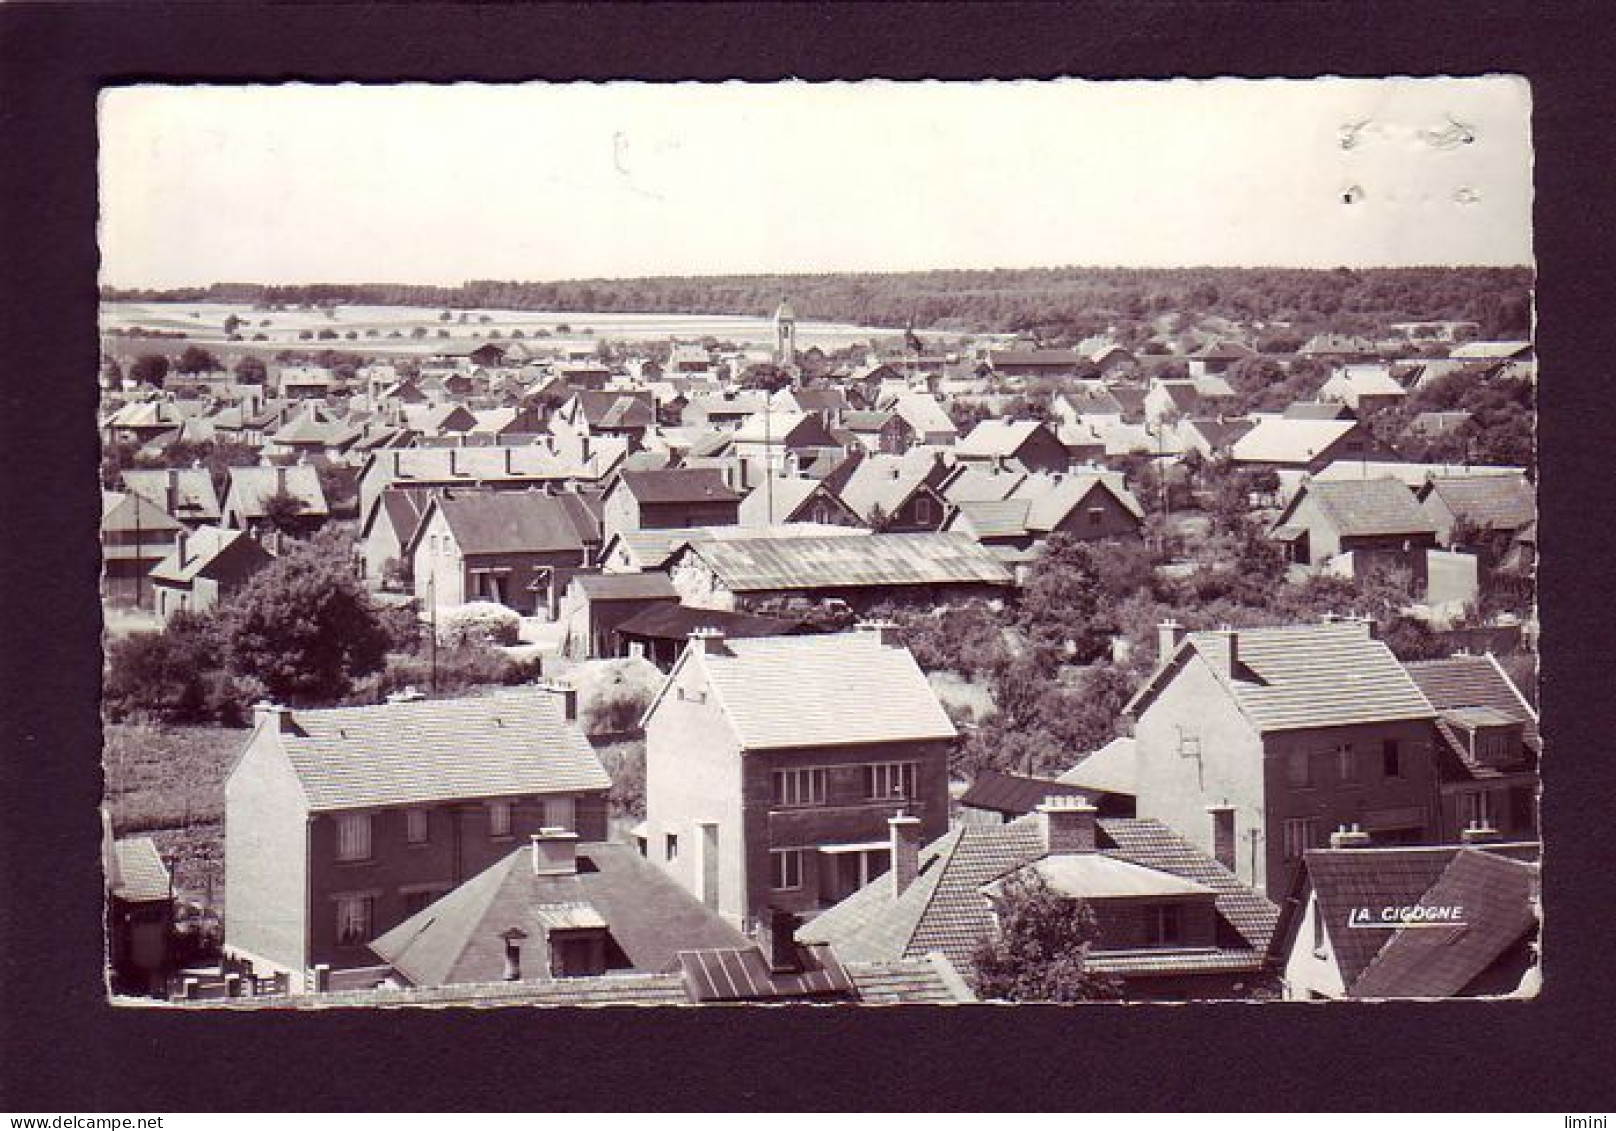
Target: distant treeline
<point>1056,302</point>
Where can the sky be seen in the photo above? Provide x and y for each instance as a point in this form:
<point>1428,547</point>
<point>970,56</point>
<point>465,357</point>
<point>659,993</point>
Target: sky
<point>441,184</point>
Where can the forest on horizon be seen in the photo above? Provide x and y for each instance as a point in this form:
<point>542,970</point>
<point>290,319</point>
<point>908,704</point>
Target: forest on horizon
<point>1057,303</point>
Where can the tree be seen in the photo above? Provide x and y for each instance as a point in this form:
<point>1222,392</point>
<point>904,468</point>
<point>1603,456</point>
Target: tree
<point>1041,950</point>
<point>303,627</point>
<point>281,511</point>
<point>231,324</point>
<point>195,359</point>
<point>1060,604</point>
<point>172,675</point>
<point>150,369</point>
<point>251,370</point>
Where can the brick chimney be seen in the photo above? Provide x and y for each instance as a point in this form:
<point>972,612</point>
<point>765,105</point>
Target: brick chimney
<point>1223,844</point>
<point>273,715</point>
<point>172,493</point>
<point>904,837</point>
<point>555,852</point>
<point>1349,836</point>
<point>1231,641</point>
<point>1479,832</point>
<point>883,632</point>
<point>777,939</point>
<point>709,641</point>
<point>280,480</point>
<point>1068,825</point>
<point>1169,634</point>
<point>567,696</point>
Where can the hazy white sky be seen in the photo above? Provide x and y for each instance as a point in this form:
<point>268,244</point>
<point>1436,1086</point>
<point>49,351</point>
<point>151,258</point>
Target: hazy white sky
<point>444,184</point>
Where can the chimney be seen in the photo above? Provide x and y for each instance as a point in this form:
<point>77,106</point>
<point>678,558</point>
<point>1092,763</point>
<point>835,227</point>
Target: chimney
<point>778,941</point>
<point>1349,836</point>
<point>173,493</point>
<point>1223,847</point>
<point>513,937</point>
<point>1068,825</point>
<point>407,695</point>
<point>904,836</point>
<point>1169,635</point>
<point>454,460</point>
<point>508,468</point>
<point>1479,832</point>
<point>555,852</point>
<point>398,472</point>
<point>278,718</point>
<point>280,480</point>
<point>1231,640</point>
<point>882,632</point>
<point>568,695</point>
<point>709,641</point>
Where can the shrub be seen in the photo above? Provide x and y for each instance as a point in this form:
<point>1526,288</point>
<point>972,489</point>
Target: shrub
<point>478,623</point>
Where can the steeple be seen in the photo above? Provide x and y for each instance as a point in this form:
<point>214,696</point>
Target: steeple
<point>785,335</point>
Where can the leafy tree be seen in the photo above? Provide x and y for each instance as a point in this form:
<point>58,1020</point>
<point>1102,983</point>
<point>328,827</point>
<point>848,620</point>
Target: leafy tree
<point>150,369</point>
<point>231,324</point>
<point>1041,950</point>
<point>195,359</point>
<point>251,370</point>
<point>303,627</point>
<point>281,511</point>
<point>172,675</point>
<point>1060,605</point>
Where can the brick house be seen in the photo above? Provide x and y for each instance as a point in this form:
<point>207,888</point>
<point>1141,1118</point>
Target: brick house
<point>595,604</point>
<point>516,548</point>
<point>1255,743</point>
<point>884,433</point>
<point>136,535</point>
<point>899,494</point>
<point>251,488</point>
<point>668,500</point>
<point>209,565</point>
<point>1173,923</point>
<point>342,823</point>
<point>790,498</point>
<point>1377,521</point>
<point>773,764</point>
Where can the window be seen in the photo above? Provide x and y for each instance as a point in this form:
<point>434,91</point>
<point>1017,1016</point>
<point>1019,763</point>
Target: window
<point>1165,924</point>
<point>799,787</point>
<point>1299,769</point>
<point>1096,516</point>
<point>499,818</point>
<point>787,867</point>
<point>890,779</point>
<point>671,847</point>
<point>353,836</point>
<point>1301,834</point>
<point>1391,758</point>
<point>923,508</point>
<point>560,813</point>
<point>353,920</point>
<point>415,826</point>
<point>1476,808</point>
<point>1189,745</point>
<point>1346,763</point>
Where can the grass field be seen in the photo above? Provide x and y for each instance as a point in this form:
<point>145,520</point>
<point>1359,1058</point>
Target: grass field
<point>168,782</point>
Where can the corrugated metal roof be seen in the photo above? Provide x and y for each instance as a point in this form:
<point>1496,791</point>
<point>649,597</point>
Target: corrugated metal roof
<point>783,691</point>
<point>752,565</point>
<point>512,743</point>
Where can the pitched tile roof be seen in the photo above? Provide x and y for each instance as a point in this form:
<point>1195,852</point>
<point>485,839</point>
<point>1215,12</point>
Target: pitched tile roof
<point>124,512</point>
<point>142,877</point>
<point>680,485</point>
<point>830,690</point>
<point>515,742</point>
<point>1277,439</point>
<point>1411,475</point>
<point>252,487</point>
<point>1295,677</point>
<point>783,495</point>
<point>945,910</point>
<point>192,490</point>
<point>1499,897</point>
<point>1013,793</point>
<point>980,484</point>
<point>750,565</point>
<point>1367,507</point>
<point>511,522</point>
<point>924,414</point>
<point>1001,518</point>
<point>1460,682</point>
<point>1053,499</point>
<point>997,438</point>
<point>1493,502</point>
<point>648,916</point>
<point>200,549</point>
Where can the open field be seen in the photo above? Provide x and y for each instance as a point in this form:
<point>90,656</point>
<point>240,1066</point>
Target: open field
<point>203,324</point>
<point>169,782</point>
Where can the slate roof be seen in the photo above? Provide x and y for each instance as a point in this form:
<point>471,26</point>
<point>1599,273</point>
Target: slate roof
<point>1297,677</point>
<point>886,481</point>
<point>625,586</point>
<point>822,690</point>
<point>194,495</point>
<point>679,485</point>
<point>647,914</point>
<point>1494,502</point>
<point>996,438</point>
<point>980,484</point>
<point>1366,507</point>
<point>1276,439</point>
<point>515,742</point>
<point>1014,793</point>
<point>511,522</point>
<point>142,876</point>
<point>944,909</point>
<point>1113,768</point>
<point>1459,683</point>
<point>202,548</point>
<point>752,565</point>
